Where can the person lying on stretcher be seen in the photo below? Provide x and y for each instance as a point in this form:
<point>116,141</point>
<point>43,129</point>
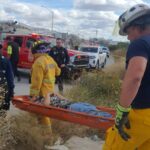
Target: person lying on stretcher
<point>59,101</point>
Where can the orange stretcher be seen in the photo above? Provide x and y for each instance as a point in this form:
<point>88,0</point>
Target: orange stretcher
<point>23,103</point>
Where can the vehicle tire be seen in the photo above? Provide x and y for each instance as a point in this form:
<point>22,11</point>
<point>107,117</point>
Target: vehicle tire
<point>77,74</point>
<point>104,63</point>
<point>97,65</point>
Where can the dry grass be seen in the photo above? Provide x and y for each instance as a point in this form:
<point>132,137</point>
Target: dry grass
<point>120,52</point>
<point>100,87</point>
<point>119,55</point>
<point>117,69</point>
<point>20,130</point>
<point>67,130</point>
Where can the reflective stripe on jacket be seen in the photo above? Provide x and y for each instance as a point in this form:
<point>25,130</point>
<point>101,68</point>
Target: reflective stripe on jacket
<point>43,75</point>
<point>9,50</point>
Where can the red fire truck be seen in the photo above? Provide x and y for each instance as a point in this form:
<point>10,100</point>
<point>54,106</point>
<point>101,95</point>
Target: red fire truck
<point>78,60</point>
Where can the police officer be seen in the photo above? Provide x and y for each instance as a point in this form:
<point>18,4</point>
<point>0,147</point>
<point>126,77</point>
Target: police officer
<point>8,84</point>
<point>60,55</point>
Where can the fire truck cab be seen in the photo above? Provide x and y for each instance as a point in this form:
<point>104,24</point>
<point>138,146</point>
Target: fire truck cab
<point>78,60</point>
<point>25,43</point>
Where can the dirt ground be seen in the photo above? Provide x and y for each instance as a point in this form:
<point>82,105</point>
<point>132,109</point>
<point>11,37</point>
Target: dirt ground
<point>77,143</point>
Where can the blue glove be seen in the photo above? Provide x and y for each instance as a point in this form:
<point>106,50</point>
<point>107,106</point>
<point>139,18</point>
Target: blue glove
<point>122,121</point>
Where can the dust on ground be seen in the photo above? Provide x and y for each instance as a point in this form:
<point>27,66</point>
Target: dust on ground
<point>21,131</point>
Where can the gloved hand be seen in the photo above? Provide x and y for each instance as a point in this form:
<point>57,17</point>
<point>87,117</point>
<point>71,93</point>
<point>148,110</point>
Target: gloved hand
<point>122,121</point>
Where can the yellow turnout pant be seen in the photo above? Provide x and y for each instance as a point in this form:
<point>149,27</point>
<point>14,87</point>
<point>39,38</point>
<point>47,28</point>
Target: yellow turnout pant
<point>45,121</point>
<point>139,132</point>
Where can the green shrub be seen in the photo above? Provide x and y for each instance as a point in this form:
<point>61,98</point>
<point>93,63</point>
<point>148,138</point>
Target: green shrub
<point>98,88</point>
<point>120,45</point>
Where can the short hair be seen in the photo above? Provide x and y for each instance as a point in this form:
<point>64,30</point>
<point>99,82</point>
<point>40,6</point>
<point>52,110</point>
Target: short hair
<point>59,39</point>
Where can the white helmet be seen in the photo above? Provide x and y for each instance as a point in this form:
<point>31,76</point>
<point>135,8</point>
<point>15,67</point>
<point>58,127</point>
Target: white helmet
<point>130,15</point>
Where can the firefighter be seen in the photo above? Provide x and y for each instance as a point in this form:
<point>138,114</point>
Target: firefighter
<point>13,56</point>
<point>60,55</point>
<point>132,123</point>
<point>44,70</point>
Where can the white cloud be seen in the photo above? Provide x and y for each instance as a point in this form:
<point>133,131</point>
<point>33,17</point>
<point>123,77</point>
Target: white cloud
<point>3,15</point>
<point>84,19</point>
<point>105,5</point>
<point>90,21</point>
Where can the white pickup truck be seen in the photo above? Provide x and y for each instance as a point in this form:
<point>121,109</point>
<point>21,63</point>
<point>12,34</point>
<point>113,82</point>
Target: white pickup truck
<point>97,58</point>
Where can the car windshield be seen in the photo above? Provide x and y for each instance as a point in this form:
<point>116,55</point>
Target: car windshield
<point>105,49</point>
<point>89,49</point>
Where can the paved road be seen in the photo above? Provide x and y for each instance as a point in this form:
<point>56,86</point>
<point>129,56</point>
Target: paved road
<point>110,60</point>
<point>22,87</point>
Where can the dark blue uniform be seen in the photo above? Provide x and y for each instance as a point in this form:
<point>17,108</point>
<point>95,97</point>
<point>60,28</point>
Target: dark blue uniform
<point>141,47</point>
<point>8,72</point>
<point>60,55</point>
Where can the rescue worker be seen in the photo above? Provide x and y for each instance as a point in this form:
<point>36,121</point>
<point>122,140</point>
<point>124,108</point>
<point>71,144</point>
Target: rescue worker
<point>132,122</point>
<point>6,81</point>
<point>44,70</point>
<point>13,56</point>
<point>60,55</point>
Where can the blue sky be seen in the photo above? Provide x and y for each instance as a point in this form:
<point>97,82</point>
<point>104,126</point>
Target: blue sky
<point>81,17</point>
<point>65,4</point>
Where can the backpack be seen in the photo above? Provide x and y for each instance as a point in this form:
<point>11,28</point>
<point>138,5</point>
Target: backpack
<point>3,81</point>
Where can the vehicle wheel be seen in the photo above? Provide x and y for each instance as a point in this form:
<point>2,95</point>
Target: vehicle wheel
<point>97,65</point>
<point>77,75</point>
<point>104,63</point>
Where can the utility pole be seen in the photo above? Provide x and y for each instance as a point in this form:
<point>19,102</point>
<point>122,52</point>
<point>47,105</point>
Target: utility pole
<point>96,33</point>
<point>52,20</point>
